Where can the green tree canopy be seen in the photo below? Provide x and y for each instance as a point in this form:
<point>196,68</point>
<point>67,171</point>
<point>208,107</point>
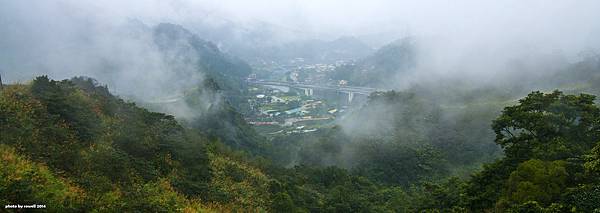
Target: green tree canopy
<point>548,126</point>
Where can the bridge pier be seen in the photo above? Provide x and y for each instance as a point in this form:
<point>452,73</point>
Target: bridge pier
<point>350,97</point>
<point>308,91</point>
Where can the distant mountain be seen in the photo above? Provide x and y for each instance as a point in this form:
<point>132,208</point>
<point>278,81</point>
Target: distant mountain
<point>258,41</point>
<point>212,102</point>
<point>582,76</point>
<point>311,50</point>
<point>380,67</point>
<point>181,45</point>
<point>320,51</point>
<point>251,40</point>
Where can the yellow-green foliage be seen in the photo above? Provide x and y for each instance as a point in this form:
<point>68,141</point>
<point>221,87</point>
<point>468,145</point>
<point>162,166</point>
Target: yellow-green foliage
<point>26,120</point>
<point>98,153</point>
<point>592,166</point>
<point>24,182</point>
<point>536,180</point>
<point>244,186</point>
<point>158,196</point>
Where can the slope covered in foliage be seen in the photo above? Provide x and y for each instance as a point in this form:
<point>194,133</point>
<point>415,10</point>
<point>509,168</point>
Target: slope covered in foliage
<point>119,155</point>
<point>547,163</point>
<point>181,46</point>
<point>548,141</point>
<point>73,146</point>
<point>400,138</point>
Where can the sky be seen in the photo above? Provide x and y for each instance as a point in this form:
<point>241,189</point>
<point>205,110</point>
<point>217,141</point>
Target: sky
<point>552,21</point>
<point>510,18</point>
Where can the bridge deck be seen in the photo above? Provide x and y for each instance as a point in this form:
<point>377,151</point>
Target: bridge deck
<point>360,90</point>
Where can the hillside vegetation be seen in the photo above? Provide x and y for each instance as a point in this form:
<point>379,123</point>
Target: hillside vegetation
<point>75,147</point>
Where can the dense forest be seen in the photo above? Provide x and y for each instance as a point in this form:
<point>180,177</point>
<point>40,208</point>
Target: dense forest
<point>74,146</point>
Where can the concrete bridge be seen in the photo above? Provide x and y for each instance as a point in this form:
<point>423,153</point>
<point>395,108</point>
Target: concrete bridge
<point>309,88</point>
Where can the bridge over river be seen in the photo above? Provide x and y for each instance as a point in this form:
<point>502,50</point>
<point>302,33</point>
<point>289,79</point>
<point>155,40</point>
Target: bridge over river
<point>310,88</point>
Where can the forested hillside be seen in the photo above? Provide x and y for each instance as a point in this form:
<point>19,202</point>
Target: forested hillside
<point>183,45</point>
<point>72,145</point>
<point>99,151</point>
<point>210,105</point>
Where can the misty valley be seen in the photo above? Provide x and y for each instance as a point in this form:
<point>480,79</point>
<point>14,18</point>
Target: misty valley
<point>198,106</point>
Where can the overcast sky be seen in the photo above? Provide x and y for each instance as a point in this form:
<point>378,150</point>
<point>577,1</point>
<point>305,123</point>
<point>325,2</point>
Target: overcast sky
<point>554,19</point>
<point>561,22</point>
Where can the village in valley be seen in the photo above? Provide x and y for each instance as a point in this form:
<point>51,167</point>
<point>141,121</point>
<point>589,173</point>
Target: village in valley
<point>283,109</point>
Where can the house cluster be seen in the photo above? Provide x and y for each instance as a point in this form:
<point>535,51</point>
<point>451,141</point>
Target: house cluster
<point>311,73</point>
<point>305,109</point>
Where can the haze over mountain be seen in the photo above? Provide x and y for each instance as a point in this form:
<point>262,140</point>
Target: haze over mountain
<point>383,67</point>
<point>300,106</point>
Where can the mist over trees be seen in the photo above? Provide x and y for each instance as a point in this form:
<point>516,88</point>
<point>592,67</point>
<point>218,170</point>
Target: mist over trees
<point>260,106</point>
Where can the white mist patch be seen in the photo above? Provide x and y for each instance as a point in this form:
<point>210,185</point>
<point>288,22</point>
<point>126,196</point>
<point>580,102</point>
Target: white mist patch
<point>58,40</point>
